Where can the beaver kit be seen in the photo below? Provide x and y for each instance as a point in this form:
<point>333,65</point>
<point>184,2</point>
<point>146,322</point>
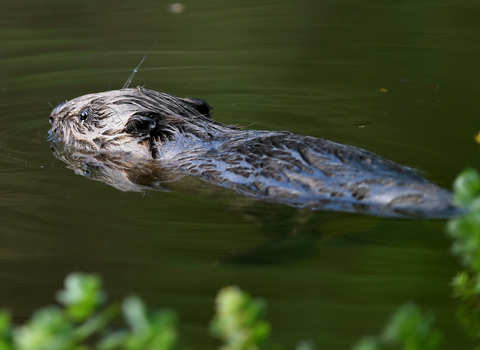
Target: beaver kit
<point>140,126</point>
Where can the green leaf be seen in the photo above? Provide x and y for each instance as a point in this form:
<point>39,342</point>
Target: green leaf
<point>467,188</point>
<point>411,329</point>
<point>82,295</point>
<point>96,323</point>
<point>47,326</point>
<point>112,340</point>
<point>238,320</point>
<point>135,314</point>
<point>155,332</point>
<point>5,324</point>
<point>466,234</point>
<point>408,329</point>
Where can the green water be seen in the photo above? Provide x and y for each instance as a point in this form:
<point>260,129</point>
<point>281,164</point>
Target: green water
<point>397,78</point>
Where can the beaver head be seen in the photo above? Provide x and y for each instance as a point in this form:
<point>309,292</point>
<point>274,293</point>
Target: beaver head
<point>130,120</point>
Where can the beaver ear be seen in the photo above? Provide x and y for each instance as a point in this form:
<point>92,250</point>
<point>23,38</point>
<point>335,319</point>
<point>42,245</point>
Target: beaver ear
<point>140,126</point>
<point>200,106</point>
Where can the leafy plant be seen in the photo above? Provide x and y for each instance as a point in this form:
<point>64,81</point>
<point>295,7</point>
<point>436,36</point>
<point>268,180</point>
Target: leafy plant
<point>71,327</point>
<point>238,322</point>
<point>408,329</point>
<point>465,232</point>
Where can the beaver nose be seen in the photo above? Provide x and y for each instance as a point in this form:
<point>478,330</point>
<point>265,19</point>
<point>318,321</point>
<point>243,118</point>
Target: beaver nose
<point>56,111</point>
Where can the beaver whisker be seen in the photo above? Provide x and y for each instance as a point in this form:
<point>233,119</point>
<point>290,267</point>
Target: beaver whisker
<point>129,80</point>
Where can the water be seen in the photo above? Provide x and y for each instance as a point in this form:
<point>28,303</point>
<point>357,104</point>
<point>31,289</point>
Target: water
<point>400,80</point>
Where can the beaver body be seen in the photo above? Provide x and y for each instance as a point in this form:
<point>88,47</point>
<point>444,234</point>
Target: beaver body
<point>301,171</point>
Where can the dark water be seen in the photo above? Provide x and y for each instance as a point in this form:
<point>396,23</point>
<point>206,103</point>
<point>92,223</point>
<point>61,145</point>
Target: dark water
<point>397,78</point>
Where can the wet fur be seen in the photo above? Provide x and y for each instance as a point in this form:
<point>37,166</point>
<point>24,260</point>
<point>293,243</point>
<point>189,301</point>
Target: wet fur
<point>137,117</point>
<point>140,124</point>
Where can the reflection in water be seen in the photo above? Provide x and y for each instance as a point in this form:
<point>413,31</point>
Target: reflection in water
<point>116,171</point>
<point>292,232</point>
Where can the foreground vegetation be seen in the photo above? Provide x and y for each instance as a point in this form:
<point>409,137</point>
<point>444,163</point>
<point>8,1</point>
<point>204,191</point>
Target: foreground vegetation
<point>238,322</point>
<point>83,319</point>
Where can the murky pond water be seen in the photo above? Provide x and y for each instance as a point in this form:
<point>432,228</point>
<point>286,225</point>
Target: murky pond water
<point>400,80</point>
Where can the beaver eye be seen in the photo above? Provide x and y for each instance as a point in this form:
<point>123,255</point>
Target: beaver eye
<point>83,115</point>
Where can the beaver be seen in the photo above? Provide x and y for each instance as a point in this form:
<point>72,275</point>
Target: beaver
<point>140,125</point>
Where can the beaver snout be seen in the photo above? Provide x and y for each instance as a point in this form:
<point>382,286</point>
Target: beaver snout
<point>56,111</point>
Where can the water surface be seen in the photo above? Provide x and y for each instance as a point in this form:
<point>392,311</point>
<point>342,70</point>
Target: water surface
<point>400,80</point>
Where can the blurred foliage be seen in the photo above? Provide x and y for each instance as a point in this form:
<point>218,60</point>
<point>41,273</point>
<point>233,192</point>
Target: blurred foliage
<point>408,329</point>
<point>84,320</point>
<point>467,189</point>
<point>238,321</point>
<point>465,232</point>
<point>84,317</point>
<point>81,296</point>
